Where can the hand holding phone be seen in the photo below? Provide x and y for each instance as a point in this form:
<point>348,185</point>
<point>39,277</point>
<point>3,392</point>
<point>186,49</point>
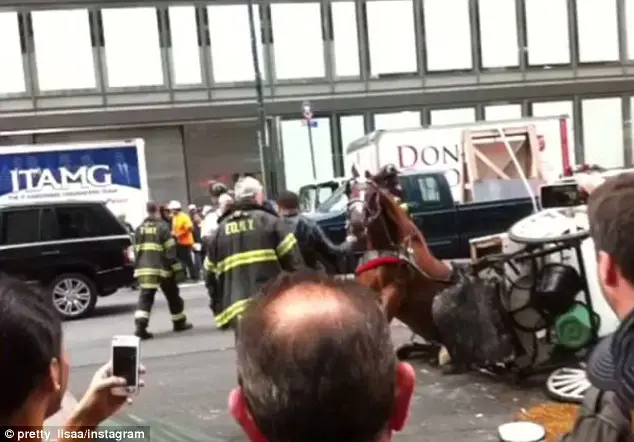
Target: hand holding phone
<point>126,363</point>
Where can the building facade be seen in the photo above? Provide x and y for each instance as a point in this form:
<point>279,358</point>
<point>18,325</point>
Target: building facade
<point>180,74</point>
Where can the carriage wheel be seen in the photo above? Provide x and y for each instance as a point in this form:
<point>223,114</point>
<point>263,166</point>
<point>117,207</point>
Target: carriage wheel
<point>568,384</point>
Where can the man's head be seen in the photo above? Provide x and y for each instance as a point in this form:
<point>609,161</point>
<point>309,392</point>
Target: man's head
<point>611,215</point>
<point>288,202</point>
<point>224,201</point>
<point>152,209</point>
<point>316,363</point>
<point>249,189</point>
<point>174,206</point>
<point>34,367</point>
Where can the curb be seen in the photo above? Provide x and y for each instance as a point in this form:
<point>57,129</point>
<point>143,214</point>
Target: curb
<point>59,419</point>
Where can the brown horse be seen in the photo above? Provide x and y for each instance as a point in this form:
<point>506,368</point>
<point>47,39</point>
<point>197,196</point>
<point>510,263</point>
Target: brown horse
<point>397,262</point>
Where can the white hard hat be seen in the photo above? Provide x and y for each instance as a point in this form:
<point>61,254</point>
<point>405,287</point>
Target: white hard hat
<point>191,207</point>
<point>174,205</point>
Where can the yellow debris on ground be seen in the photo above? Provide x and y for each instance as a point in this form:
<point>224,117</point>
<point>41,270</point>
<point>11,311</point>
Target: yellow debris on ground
<point>557,418</point>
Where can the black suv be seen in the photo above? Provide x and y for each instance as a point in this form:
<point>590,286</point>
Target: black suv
<point>77,250</point>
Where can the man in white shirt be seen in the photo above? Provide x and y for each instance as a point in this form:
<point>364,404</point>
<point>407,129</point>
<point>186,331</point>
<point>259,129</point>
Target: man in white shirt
<point>210,223</point>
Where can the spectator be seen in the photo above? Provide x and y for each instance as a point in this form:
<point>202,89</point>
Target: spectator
<point>210,223</point>
<point>166,215</point>
<point>34,367</point>
<point>605,412</point>
<point>316,363</point>
<point>199,249</point>
<point>183,232</point>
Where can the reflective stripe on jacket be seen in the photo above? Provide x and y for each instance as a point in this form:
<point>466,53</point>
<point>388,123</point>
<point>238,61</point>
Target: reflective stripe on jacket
<point>155,254</point>
<point>251,246</point>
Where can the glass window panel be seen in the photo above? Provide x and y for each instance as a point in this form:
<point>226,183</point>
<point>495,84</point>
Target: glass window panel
<point>297,40</point>
<point>21,227</point>
<point>351,129</point>
<point>12,72</point>
<point>62,39</point>
<point>391,38</point>
<point>629,26</point>
<point>602,131</point>
<point>185,51</point>
<point>133,53</point>
<point>547,33</point>
<point>346,43</point>
<point>231,56</point>
<point>397,120</point>
<point>498,112</point>
<point>498,33</point>
<point>452,116</point>
<point>598,31</point>
<point>557,109</point>
<point>448,47</point>
<point>297,167</point>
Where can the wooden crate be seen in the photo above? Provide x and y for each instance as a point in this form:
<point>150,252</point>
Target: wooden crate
<point>486,245</point>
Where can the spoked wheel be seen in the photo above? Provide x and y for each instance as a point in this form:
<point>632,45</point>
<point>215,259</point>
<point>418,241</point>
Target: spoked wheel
<point>568,384</point>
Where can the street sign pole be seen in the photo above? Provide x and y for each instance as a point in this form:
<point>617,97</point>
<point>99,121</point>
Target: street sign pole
<point>261,111</point>
<point>307,113</point>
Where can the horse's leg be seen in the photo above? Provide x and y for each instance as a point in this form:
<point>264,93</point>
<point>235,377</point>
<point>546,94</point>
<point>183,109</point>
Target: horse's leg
<point>414,319</point>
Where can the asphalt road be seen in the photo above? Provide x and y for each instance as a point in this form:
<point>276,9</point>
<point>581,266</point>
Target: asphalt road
<point>190,375</point>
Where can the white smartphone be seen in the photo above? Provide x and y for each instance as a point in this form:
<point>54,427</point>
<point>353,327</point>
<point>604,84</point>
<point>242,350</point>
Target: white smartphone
<point>125,363</point>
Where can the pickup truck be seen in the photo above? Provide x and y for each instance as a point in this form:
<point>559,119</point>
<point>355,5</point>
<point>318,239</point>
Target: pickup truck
<point>448,226</point>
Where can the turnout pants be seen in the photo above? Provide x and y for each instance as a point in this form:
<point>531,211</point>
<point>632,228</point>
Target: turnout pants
<point>176,305</point>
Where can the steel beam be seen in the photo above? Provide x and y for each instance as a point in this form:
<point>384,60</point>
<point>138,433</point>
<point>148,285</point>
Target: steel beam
<point>65,4</point>
<point>441,97</point>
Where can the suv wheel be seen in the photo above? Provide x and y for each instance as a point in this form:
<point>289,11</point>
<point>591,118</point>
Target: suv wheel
<point>74,295</point>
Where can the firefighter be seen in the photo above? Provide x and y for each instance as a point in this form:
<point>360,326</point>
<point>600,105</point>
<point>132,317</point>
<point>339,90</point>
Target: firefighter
<point>156,265</point>
<point>251,246</point>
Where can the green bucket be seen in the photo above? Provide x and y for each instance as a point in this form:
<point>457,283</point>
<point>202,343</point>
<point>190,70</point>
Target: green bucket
<point>574,328</point>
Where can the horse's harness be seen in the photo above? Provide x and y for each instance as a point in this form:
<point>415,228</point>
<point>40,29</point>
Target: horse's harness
<point>397,254</point>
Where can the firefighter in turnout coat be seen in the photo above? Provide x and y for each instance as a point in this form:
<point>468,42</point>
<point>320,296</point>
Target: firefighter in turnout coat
<point>156,265</point>
<point>251,246</point>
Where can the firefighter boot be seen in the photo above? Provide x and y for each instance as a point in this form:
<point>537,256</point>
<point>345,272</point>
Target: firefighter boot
<point>182,325</point>
<point>141,330</point>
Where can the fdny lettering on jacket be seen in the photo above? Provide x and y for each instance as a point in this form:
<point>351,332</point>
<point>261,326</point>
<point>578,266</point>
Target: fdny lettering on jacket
<point>240,226</point>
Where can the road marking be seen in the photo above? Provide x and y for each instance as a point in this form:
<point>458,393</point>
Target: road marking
<point>191,284</point>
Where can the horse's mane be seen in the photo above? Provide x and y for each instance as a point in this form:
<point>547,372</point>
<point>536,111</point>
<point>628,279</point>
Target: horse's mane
<point>393,225</point>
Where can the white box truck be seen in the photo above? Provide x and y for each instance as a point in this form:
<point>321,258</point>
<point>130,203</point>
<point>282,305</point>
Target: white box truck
<point>440,148</point>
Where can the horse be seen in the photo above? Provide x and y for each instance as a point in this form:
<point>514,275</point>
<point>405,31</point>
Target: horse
<point>450,306</point>
<point>397,262</point>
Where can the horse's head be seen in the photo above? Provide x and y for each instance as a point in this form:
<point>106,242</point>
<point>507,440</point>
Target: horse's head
<point>374,214</point>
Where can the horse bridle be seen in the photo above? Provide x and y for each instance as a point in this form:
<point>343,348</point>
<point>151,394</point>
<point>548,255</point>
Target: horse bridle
<point>404,248</point>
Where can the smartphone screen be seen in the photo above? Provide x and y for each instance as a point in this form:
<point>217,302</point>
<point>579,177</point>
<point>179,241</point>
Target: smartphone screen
<point>124,364</point>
